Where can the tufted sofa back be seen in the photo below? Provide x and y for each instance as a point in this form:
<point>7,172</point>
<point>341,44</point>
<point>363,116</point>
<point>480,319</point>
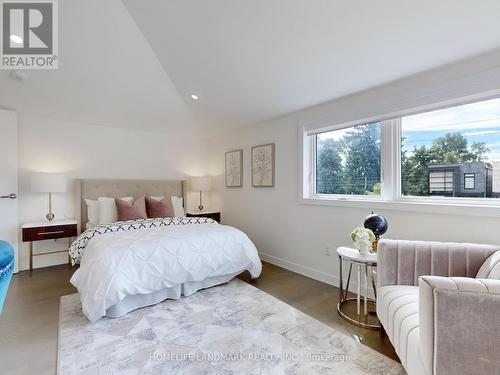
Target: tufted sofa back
<point>402,262</point>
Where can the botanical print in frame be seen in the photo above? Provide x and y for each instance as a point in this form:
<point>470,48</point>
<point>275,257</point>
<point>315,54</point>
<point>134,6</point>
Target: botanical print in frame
<point>263,165</point>
<point>234,168</point>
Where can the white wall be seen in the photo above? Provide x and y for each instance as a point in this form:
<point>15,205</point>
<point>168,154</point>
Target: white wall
<point>86,151</point>
<point>295,235</point>
<point>287,231</point>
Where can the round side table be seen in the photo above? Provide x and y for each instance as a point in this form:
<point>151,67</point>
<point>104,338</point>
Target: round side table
<point>364,265</point>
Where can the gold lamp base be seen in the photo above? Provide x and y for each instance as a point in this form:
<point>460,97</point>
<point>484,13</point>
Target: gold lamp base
<point>374,246</point>
<point>50,216</point>
<point>200,206</point>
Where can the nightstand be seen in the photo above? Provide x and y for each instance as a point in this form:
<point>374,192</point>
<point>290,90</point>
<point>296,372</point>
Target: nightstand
<point>40,231</point>
<point>210,214</point>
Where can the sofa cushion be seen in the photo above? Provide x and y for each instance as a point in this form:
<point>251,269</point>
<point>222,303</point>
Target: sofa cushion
<point>397,309</point>
<point>414,364</point>
<point>490,268</point>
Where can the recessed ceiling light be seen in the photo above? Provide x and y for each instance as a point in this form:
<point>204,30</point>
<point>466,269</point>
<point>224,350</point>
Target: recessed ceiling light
<point>194,97</point>
<point>18,75</point>
<point>16,38</point>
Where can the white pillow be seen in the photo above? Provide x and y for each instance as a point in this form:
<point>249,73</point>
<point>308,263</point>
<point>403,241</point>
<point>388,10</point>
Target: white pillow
<point>177,205</point>
<point>178,208</point>
<point>92,211</point>
<point>490,268</point>
<point>107,209</point>
<point>89,225</point>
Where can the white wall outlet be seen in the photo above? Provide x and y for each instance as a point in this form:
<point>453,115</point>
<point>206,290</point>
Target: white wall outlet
<point>328,250</point>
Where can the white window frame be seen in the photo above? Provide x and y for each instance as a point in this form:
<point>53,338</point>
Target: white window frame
<point>391,197</point>
<point>312,167</point>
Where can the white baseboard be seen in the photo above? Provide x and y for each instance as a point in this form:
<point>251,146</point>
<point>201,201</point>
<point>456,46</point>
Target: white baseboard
<point>303,270</point>
<point>311,272</point>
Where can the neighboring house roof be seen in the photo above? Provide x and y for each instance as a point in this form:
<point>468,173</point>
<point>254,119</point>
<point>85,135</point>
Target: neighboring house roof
<point>477,164</point>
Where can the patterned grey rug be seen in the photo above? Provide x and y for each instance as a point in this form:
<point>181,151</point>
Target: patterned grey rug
<point>229,329</point>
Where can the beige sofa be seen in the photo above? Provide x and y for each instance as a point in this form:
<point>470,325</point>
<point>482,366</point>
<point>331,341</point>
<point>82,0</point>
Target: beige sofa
<point>439,317</point>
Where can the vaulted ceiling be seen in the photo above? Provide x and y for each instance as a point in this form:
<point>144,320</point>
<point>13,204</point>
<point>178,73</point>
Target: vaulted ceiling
<point>108,75</point>
<point>135,64</point>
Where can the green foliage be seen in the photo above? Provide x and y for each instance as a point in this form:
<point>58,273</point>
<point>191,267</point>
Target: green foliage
<point>415,179</point>
<point>479,151</point>
<point>377,189</point>
<point>329,169</point>
<point>361,150</point>
<point>350,165</point>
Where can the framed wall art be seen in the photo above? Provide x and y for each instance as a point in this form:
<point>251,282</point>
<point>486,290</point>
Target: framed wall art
<point>263,165</point>
<point>234,168</point>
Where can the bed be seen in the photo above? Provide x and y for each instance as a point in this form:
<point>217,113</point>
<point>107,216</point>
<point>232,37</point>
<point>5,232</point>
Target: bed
<point>132,264</point>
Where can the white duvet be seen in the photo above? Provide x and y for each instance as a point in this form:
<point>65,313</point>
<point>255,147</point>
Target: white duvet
<point>118,263</point>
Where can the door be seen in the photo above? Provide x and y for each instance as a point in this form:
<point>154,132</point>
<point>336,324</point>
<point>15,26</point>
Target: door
<point>9,227</point>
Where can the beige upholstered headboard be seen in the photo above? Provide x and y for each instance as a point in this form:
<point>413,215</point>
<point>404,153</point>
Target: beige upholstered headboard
<point>93,189</point>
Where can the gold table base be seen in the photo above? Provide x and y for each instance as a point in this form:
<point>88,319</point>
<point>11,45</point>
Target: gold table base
<point>360,316</point>
<point>360,320</point>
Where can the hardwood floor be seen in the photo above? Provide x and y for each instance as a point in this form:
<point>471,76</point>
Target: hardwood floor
<point>29,323</point>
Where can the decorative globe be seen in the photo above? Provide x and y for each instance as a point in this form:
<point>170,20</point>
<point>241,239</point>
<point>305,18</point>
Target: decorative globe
<point>377,224</point>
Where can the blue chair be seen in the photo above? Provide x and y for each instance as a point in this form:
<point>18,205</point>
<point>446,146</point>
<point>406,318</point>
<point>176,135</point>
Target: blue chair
<point>6,269</point>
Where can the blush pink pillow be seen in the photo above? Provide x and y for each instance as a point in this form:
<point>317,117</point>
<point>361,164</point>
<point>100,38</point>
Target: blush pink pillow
<point>131,211</point>
<point>159,208</point>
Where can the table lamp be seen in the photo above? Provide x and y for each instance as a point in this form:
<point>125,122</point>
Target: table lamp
<point>201,184</point>
<point>49,183</point>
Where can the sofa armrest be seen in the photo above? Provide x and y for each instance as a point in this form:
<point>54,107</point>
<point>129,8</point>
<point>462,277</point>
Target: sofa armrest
<point>402,262</point>
<point>458,319</point>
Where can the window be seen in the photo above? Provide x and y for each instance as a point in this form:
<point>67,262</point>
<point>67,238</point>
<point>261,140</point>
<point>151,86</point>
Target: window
<point>441,182</point>
<point>445,156</point>
<point>348,161</point>
<point>464,139</point>
<point>469,181</point>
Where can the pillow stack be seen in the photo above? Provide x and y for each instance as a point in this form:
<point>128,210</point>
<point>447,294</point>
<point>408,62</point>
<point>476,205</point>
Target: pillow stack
<point>106,210</point>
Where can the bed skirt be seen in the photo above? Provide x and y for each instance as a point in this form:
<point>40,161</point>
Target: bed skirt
<point>137,301</point>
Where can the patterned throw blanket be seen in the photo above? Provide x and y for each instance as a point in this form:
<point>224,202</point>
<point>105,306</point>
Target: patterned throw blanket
<point>77,248</point>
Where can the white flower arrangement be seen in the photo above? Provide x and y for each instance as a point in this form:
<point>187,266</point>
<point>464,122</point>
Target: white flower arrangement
<point>362,238</point>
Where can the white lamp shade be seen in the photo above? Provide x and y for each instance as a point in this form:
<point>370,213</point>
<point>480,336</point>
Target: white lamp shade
<point>48,183</point>
<point>203,183</point>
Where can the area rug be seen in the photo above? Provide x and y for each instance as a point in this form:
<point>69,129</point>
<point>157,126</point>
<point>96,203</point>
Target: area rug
<point>233,328</point>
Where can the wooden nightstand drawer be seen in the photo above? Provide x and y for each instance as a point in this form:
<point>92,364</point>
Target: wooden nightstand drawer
<point>49,232</point>
<point>39,231</point>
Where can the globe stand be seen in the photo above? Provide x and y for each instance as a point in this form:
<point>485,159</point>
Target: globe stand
<point>378,225</point>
